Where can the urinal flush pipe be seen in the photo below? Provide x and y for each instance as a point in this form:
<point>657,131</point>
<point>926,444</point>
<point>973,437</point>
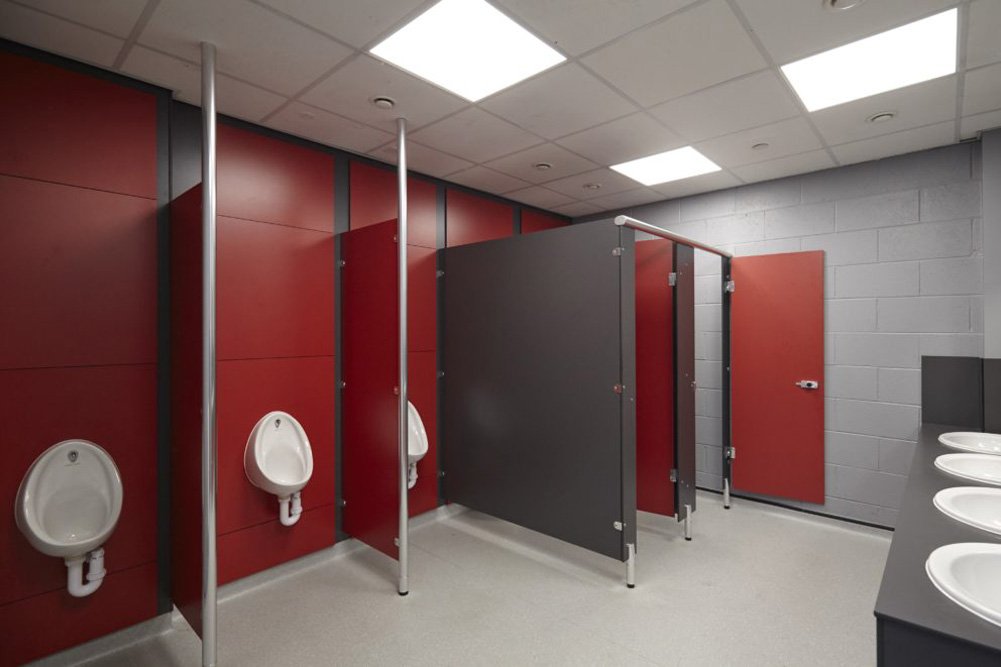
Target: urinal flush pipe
<point>290,515</point>
<point>95,573</point>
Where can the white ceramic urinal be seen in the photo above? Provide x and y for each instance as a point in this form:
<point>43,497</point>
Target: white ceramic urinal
<point>67,506</point>
<point>278,460</point>
<point>417,443</point>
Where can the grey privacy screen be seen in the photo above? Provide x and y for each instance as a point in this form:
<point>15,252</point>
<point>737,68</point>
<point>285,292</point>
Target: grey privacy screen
<point>539,361</point>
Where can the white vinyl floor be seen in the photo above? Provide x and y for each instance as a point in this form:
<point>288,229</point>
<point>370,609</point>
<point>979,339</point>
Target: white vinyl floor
<point>758,585</point>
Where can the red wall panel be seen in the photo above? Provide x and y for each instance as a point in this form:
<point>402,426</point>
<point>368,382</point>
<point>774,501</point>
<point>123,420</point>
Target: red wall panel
<point>269,180</point>
<point>249,389</point>
<point>422,377</point>
<point>470,218</point>
<point>422,299</point>
<point>275,291</point>
<point>78,276</point>
<point>654,378</point>
<point>113,406</point>
<point>374,199</point>
<point>536,221</point>
<point>66,127</point>
<point>43,624</point>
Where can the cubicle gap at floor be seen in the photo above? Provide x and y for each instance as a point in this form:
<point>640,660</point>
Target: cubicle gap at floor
<point>539,419</point>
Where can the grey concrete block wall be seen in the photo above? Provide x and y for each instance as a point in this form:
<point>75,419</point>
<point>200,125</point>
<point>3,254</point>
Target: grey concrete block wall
<point>903,278</point>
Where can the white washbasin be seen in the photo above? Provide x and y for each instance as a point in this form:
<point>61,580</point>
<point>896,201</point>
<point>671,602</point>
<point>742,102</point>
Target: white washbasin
<point>982,443</point>
<point>973,505</point>
<point>974,467</point>
<point>969,574</point>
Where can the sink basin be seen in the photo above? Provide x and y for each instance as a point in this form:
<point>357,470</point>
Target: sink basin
<point>973,505</point>
<point>969,574</point>
<point>982,443</point>
<point>974,467</point>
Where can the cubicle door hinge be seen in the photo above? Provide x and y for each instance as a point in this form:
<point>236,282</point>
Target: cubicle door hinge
<point>731,453</point>
<point>617,251</point>
<point>618,388</point>
<point>440,273</point>
<point>672,279</point>
<point>618,525</point>
<point>729,286</point>
<point>674,475</point>
<point>342,263</point>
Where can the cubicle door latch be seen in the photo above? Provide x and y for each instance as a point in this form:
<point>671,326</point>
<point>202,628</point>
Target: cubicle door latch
<point>808,384</point>
<point>672,279</point>
<point>618,525</point>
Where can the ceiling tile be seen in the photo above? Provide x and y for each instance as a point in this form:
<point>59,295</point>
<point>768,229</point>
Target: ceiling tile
<point>233,98</point>
<point>915,106</point>
<point>488,180</point>
<point>624,139</point>
<point>117,17</point>
<point>610,182</point>
<point>559,102</point>
<point>786,137</point>
<point>970,126</point>
<point>785,166</point>
<point>655,64</point>
<point>746,102</point>
<point>475,135</point>
<point>793,29</point>
<point>704,183</point>
<point>537,195</point>
<point>422,159</point>
<point>908,141</point>
<point>519,165</point>
<point>575,27</point>
<point>357,23</point>
<point>982,44</point>
<point>327,128</point>
<point>33,28</point>
<point>577,208</point>
<point>253,43</point>
<point>618,200</point>
<point>349,90</point>
<point>982,90</point>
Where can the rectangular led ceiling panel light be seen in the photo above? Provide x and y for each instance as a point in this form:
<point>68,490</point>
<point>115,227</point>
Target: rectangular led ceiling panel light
<point>467,47</point>
<point>910,54</point>
<point>669,166</point>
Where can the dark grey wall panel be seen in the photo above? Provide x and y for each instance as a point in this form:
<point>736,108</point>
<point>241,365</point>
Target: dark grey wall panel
<point>534,431</point>
<point>992,395</point>
<point>952,391</point>
<point>684,376</point>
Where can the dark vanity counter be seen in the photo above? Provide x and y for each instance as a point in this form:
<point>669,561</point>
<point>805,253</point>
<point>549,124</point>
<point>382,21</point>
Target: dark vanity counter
<point>916,624</point>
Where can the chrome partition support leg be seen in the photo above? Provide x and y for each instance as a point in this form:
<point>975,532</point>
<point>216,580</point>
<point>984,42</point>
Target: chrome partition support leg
<point>726,494</point>
<point>631,565</point>
<point>688,523</point>
<point>403,585</point>
<point>209,582</point>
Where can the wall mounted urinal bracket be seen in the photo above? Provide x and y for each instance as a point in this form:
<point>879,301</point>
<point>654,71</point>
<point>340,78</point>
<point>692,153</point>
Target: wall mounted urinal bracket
<point>290,515</point>
<point>95,573</point>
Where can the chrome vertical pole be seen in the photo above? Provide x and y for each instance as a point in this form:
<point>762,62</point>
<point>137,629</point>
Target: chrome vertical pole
<point>208,357</point>
<point>631,565</point>
<point>403,418</point>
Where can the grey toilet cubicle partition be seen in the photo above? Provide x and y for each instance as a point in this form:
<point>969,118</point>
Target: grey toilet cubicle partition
<point>539,361</point>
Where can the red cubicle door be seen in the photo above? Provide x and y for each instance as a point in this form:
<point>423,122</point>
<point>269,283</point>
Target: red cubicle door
<point>777,341</point>
<point>654,377</point>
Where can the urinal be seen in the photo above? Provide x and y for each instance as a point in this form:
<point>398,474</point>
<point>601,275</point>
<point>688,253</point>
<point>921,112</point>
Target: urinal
<point>278,460</point>
<point>417,443</point>
<point>68,505</point>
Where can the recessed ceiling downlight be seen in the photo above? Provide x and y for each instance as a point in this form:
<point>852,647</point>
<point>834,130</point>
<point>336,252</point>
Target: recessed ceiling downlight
<point>881,117</point>
<point>592,186</point>
<point>467,47</point>
<point>383,102</point>
<point>841,5</point>
<point>910,54</point>
<point>542,166</point>
<point>668,166</point>
<point>760,146</point>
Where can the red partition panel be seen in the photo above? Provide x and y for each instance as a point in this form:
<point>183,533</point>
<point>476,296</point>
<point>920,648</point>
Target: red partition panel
<point>78,276</point>
<point>67,127</point>
<point>470,218</point>
<point>654,378</point>
<point>374,200</point>
<point>423,393</point>
<point>369,330</point>
<point>275,291</point>
<point>269,180</point>
<point>422,298</point>
<point>537,221</point>
<point>777,339</point>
